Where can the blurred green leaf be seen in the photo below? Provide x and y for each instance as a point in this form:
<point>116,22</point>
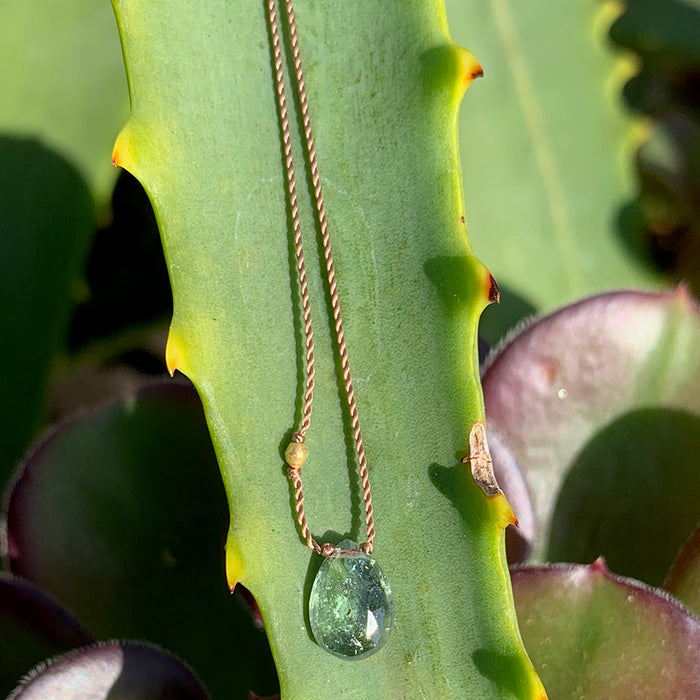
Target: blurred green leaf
<point>684,578</point>
<point>121,515</point>
<point>63,82</point>
<point>46,218</point>
<point>664,38</point>
<point>33,626</point>
<point>384,81</point>
<point>667,29</point>
<point>566,380</point>
<point>545,153</point>
<point>596,635</point>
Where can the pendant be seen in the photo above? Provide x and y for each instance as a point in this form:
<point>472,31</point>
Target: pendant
<point>351,609</point>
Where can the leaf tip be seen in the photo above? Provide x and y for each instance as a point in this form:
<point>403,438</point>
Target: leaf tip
<point>599,566</point>
<point>684,297</point>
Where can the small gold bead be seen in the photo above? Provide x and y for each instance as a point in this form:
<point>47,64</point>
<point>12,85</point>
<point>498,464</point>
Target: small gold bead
<point>296,454</point>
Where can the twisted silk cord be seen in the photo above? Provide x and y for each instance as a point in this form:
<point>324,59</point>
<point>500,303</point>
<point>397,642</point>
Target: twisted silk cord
<point>294,473</point>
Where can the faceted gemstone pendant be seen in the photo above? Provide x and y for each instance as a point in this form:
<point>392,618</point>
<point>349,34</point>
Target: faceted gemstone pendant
<point>351,608</point>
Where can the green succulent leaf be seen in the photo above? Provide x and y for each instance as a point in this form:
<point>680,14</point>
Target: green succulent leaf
<point>592,634</point>
<point>384,82</point>
<point>122,517</point>
<point>546,155</point>
<point>683,579</point>
<point>63,82</point>
<point>599,406</point>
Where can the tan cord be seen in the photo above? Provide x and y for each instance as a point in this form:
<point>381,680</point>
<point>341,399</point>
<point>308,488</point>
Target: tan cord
<point>294,455</point>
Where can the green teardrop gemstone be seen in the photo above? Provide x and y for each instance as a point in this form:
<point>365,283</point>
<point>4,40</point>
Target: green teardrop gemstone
<point>351,608</point>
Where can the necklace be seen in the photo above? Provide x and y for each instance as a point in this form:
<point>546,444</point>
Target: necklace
<point>351,608</point>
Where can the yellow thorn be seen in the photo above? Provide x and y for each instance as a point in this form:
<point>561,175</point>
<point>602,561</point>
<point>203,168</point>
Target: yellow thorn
<point>174,353</point>
<point>503,511</point>
<point>123,155</point>
<point>234,566</point>
<point>470,69</point>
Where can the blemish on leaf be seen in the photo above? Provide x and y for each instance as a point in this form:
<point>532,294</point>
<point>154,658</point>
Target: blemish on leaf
<point>549,372</point>
<point>479,458</point>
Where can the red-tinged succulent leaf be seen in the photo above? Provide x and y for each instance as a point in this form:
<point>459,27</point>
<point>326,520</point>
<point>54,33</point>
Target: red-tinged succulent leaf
<point>122,516</point>
<point>592,634</point>
<point>683,579</point>
<point>566,378</point>
<point>32,626</point>
<point>112,670</point>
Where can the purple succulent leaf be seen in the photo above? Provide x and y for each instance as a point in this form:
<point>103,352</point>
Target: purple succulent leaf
<point>32,626</point>
<point>552,387</point>
<point>132,670</point>
<point>592,634</point>
<point>683,580</point>
<point>520,539</point>
<point>121,514</point>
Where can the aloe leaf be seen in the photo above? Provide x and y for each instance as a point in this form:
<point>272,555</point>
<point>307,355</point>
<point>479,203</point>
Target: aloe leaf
<point>384,82</point>
<point>599,405</point>
<point>46,218</point>
<point>132,670</point>
<point>546,156</point>
<point>33,626</point>
<point>121,515</point>
<point>596,635</point>
<point>683,580</point>
<point>66,86</point>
